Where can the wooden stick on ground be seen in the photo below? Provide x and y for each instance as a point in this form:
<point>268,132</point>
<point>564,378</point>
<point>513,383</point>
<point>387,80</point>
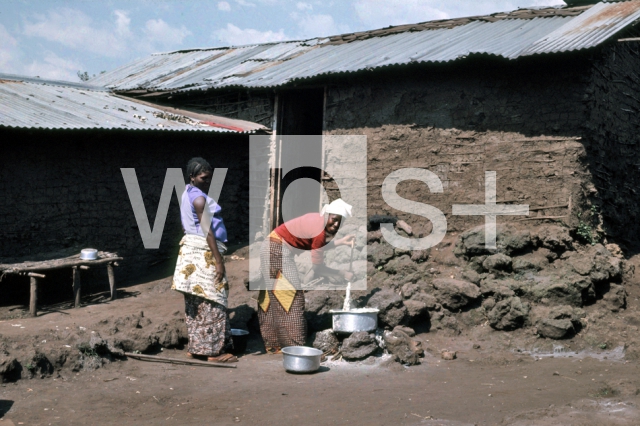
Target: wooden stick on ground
<point>540,218</point>
<point>179,361</point>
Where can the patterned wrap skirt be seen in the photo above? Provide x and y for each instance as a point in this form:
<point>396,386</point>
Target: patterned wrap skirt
<point>207,325</point>
<point>205,300</point>
<point>280,310</point>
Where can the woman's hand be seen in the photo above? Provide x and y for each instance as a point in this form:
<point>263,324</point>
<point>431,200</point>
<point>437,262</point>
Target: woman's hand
<point>220,271</point>
<point>346,241</point>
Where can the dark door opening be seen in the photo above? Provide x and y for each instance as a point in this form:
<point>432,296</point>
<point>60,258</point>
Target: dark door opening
<point>300,112</point>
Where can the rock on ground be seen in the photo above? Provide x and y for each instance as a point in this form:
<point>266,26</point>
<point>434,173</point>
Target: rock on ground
<point>326,341</point>
<point>508,240</point>
<point>555,328</point>
<point>405,349</point>
<point>555,237</point>
<point>379,253</point>
<point>407,330</point>
<point>497,262</point>
<point>392,311</point>
<point>509,314</point>
<point>358,346</point>
<point>455,294</point>
<point>616,298</point>
<point>402,265</point>
<point>317,306</point>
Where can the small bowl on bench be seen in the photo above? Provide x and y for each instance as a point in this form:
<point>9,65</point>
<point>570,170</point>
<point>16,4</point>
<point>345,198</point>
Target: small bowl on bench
<point>88,254</point>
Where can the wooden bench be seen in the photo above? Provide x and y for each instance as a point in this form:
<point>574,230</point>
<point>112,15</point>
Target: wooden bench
<point>34,270</point>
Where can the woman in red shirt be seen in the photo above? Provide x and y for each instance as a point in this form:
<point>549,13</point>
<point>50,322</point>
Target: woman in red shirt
<point>281,309</point>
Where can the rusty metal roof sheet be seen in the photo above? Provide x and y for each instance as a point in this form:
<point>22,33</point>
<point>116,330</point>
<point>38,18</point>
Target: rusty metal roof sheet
<point>35,103</point>
<point>509,35</point>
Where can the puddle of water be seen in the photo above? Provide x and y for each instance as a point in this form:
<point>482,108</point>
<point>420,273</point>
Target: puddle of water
<point>559,351</point>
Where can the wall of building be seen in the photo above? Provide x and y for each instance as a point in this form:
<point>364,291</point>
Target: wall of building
<point>613,139</point>
<point>255,106</point>
<point>64,189</point>
<point>523,119</point>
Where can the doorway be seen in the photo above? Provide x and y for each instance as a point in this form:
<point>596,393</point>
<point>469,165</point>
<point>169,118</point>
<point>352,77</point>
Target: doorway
<point>300,113</point>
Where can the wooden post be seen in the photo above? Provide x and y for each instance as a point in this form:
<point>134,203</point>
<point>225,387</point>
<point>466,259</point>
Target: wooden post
<point>112,281</point>
<point>76,286</point>
<point>33,301</point>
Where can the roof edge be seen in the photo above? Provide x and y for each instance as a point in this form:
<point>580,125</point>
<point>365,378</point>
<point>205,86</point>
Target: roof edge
<point>63,83</point>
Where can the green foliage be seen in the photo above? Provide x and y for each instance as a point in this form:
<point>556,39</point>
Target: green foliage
<point>606,392</point>
<point>30,367</point>
<point>83,76</point>
<point>587,227</point>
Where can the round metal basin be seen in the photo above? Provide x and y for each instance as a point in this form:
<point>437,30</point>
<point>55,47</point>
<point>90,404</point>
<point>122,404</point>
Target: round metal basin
<point>301,359</point>
<point>364,319</point>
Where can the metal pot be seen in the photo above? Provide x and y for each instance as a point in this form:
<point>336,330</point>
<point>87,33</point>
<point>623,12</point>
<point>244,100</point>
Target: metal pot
<point>301,359</point>
<point>239,338</point>
<point>88,254</point>
<point>364,319</point>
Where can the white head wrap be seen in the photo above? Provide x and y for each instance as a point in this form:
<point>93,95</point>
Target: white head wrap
<point>337,207</point>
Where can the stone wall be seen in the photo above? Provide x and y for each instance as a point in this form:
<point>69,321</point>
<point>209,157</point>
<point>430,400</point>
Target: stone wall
<point>524,120</point>
<point>64,189</point>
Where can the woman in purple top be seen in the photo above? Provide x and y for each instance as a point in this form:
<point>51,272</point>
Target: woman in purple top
<point>200,272</point>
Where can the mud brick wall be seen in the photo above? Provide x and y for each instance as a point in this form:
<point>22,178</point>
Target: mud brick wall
<point>524,120</point>
<point>64,189</point>
<point>613,139</point>
<point>256,106</point>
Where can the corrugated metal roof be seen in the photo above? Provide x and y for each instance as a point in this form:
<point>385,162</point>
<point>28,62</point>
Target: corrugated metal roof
<point>34,103</point>
<point>509,35</point>
<point>589,29</point>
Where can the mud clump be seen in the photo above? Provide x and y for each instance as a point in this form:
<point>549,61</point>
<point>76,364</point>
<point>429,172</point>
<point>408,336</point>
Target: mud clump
<point>326,341</point>
<point>455,294</point>
<point>405,349</point>
<point>38,365</point>
<point>10,368</point>
<point>392,311</point>
<point>508,314</point>
<point>318,305</point>
<point>539,267</point>
<point>358,346</point>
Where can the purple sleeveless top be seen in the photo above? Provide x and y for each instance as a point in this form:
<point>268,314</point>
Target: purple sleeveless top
<point>190,221</point>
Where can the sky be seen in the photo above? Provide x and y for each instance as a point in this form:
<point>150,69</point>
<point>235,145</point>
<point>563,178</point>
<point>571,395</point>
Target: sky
<point>54,39</point>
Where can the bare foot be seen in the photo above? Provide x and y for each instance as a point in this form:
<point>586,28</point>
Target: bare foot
<point>223,358</point>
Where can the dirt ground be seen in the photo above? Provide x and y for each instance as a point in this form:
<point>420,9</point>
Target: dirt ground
<point>494,380</point>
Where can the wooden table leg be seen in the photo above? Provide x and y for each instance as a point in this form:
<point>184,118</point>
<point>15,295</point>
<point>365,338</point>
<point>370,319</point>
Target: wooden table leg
<point>76,286</point>
<point>112,281</point>
<point>33,301</point>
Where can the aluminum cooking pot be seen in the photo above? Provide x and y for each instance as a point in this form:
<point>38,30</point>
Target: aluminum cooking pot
<point>88,254</point>
<point>301,359</point>
<point>364,319</point>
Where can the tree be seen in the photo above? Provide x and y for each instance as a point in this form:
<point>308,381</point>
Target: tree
<point>83,76</point>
